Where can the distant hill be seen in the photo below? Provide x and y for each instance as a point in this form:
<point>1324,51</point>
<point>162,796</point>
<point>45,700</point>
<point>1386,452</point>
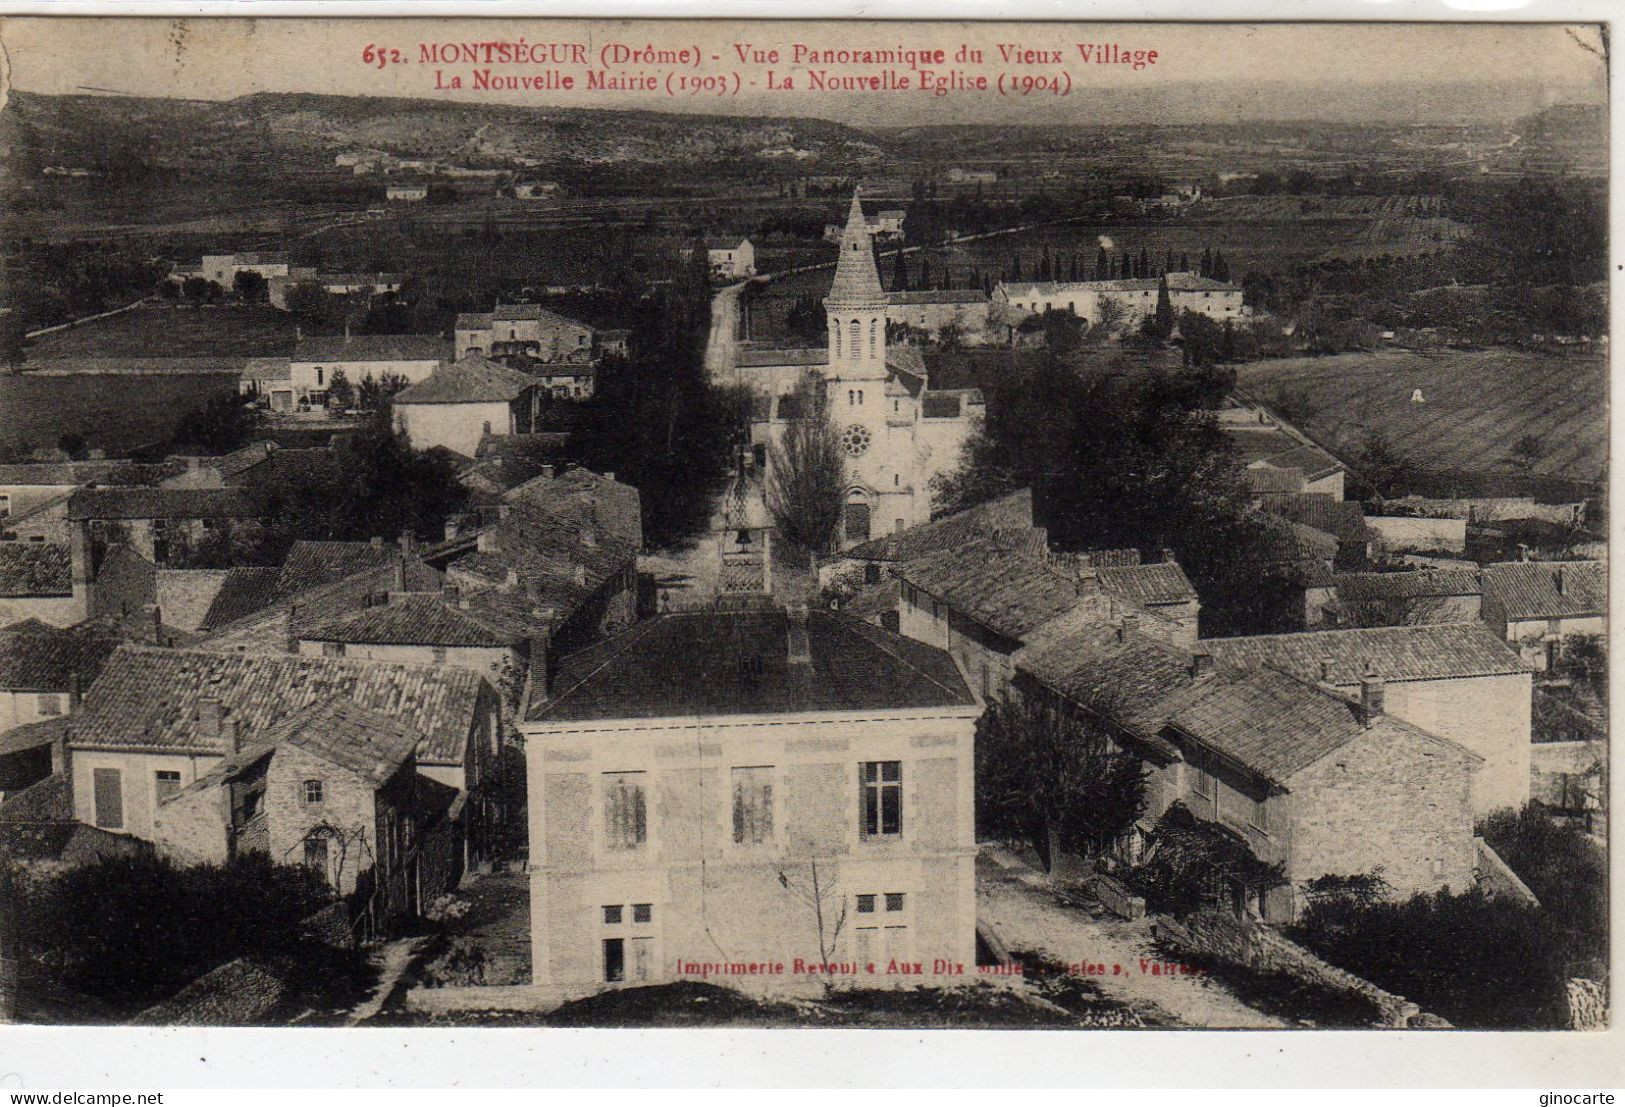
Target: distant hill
<point>104,132</point>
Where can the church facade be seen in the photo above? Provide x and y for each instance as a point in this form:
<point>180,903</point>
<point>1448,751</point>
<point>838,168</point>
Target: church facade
<point>896,432</point>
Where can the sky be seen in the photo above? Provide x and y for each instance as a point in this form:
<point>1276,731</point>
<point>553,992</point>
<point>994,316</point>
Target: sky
<point>1261,68</point>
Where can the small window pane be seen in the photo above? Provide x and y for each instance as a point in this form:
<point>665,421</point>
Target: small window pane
<point>866,905</point>
<point>642,912</point>
<point>313,791</point>
<point>894,901</point>
<point>612,915</point>
<point>168,783</point>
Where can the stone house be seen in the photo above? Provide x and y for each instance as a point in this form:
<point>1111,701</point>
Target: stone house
<point>965,310</point>
<point>427,629</point>
<point>333,787</point>
<point>984,599</point>
<point>1454,680</point>
<point>407,193</point>
<point>525,329</point>
<point>1342,519</point>
<point>48,581</point>
<point>412,357</point>
<point>720,780</point>
<point>730,257</point>
<point>222,269</point>
<point>44,669</point>
<point>156,522</point>
<point>1136,298</point>
<point>1537,605</point>
<point>1399,599</point>
<point>458,405</point>
<point>270,379</point>
<point>157,719</point>
<point>1302,775</point>
<point>1267,446</point>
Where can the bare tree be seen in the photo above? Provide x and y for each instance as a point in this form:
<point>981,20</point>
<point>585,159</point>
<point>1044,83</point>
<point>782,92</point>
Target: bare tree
<point>820,892</point>
<point>806,471</point>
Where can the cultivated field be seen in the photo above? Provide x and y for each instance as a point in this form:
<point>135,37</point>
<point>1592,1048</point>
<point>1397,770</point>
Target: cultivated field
<point>1476,406</point>
<point>161,330</point>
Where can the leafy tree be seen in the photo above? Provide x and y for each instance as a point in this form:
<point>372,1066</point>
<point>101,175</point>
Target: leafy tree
<point>1103,265</point>
<point>899,280</point>
<point>925,271</point>
<point>220,426</point>
<point>1381,466</point>
<point>198,290</point>
<point>807,472</point>
<point>1565,868</point>
<point>374,395</point>
<point>806,319</point>
<point>134,930</point>
<point>74,445</point>
<point>340,392</point>
<point>249,285</point>
<point>1528,450</point>
<point>1054,780</point>
<point>1190,863</point>
<point>1063,330</point>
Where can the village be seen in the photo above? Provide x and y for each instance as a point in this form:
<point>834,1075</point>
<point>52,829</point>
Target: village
<point>438,681</point>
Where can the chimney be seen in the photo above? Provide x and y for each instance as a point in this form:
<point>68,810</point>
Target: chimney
<point>502,512</point>
<point>376,541</point>
<point>581,575</point>
<point>1130,625</point>
<point>1086,582</point>
<point>1371,697</point>
<point>1325,670</point>
<point>450,595</point>
<point>233,738</point>
<point>76,691</point>
<point>1167,556</point>
<point>1201,665</point>
<point>610,475</point>
<point>538,648</point>
<point>799,649</point>
<point>1558,580</point>
<point>155,622</point>
<point>208,719</point>
<point>547,471</point>
<point>293,624</point>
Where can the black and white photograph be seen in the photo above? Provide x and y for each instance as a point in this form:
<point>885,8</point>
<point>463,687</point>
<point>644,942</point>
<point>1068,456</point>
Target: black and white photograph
<point>721,524</point>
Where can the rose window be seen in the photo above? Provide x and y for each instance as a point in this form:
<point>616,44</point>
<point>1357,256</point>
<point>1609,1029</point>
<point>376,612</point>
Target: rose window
<point>855,440</point>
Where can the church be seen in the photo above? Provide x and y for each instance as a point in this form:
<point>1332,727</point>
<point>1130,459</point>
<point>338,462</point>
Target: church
<point>897,433</point>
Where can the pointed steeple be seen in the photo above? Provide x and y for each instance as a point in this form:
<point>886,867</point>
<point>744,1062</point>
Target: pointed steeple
<point>857,281</point>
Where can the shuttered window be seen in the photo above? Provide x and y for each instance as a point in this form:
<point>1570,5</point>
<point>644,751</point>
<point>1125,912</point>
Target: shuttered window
<point>626,822</point>
<point>753,805</point>
<point>108,786</point>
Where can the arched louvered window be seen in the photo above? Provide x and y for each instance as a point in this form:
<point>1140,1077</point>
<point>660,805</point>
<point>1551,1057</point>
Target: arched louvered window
<point>837,325</point>
<point>857,338</point>
<point>874,329</point>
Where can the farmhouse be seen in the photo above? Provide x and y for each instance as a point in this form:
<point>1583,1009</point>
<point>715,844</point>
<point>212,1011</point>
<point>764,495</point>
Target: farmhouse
<point>315,360</point>
<point>157,720</point>
<point>334,284</point>
<point>727,257</point>
<point>1299,773</point>
<point>1135,298</point>
<point>270,379</point>
<point>1455,680</point>
<point>896,431</point>
<point>692,785</point>
<point>529,330</point>
<point>1537,605</point>
<point>961,310</point>
<point>406,193</point>
<point>222,269</point>
<point>333,787</point>
<point>458,405</point>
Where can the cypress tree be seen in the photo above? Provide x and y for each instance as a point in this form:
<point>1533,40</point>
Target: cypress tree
<point>1165,311</point>
<point>1221,268</point>
<point>1168,263</point>
<point>1103,265</point>
<point>899,277</point>
<point>925,272</point>
<point>1184,264</point>
<point>1207,263</point>
<point>1145,263</point>
<point>1015,267</point>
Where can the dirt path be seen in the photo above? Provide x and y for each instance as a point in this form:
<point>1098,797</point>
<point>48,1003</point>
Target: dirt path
<point>393,960</point>
<point>1015,901</point>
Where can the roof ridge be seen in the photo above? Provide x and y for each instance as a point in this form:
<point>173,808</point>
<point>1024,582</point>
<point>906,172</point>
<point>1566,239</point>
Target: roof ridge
<point>867,632</point>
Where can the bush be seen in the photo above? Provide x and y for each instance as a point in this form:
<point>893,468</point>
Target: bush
<point>1567,871</point>
<point>1190,863</point>
<point>133,930</point>
<point>1476,960</point>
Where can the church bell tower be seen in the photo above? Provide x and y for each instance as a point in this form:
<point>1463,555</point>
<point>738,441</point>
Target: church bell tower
<point>856,305</point>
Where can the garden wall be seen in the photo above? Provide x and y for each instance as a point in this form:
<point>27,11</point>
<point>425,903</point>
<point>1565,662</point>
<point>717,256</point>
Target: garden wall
<point>1223,936</point>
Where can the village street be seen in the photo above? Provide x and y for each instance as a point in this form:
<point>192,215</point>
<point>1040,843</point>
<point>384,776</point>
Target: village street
<point>1018,905</point>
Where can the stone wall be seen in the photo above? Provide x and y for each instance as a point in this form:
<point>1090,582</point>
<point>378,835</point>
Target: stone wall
<point>1242,942</point>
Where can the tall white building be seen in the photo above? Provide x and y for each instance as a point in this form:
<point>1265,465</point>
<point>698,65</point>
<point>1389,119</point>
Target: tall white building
<point>896,431</point>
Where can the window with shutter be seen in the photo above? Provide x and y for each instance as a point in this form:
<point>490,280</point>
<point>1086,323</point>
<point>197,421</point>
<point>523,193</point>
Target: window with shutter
<point>108,787</point>
<point>625,811</point>
<point>753,805</point>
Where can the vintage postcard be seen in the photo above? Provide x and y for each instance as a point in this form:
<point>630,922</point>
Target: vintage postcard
<point>715,523</point>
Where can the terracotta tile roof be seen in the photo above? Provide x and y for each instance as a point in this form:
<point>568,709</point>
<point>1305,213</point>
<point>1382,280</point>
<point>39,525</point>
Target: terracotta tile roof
<point>1122,676</point>
<point>148,698</point>
<point>1014,510</point>
<point>1421,584</point>
<point>1284,540</point>
<point>35,569</point>
<point>267,369</point>
<point>1280,450</point>
<point>160,503</point>
<point>736,663</point>
<point>1004,591</point>
<point>61,474</point>
<point>245,590</point>
<point>1547,589</point>
<point>1275,725</point>
<point>1161,583</point>
<point>33,735</point>
<point>937,296</point>
<point>421,620</point>
<point>475,320</point>
<point>1438,651</point>
<point>314,564</point>
<point>469,380</point>
<point>340,349</point>
<point>534,313</point>
<point>1344,519</point>
<point>48,661</point>
<point>1265,480</point>
<point>48,800</point>
<point>367,743</point>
